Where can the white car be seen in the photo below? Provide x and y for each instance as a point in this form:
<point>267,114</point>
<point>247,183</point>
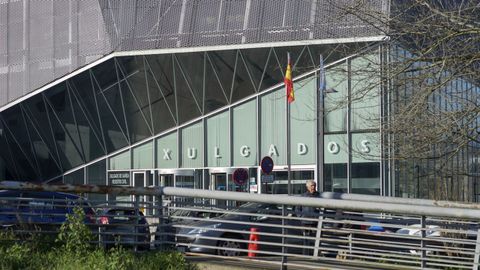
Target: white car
<point>416,230</point>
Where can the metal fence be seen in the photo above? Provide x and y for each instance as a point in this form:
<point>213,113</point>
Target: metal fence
<point>352,230</point>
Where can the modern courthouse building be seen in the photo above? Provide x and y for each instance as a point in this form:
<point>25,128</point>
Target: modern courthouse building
<point>184,92</point>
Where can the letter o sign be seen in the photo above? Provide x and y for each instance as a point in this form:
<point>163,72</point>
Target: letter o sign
<point>333,148</point>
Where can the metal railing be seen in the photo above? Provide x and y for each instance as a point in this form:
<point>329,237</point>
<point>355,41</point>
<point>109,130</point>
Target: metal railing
<point>288,230</point>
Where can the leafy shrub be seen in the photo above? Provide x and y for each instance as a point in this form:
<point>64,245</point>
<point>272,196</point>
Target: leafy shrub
<point>73,250</point>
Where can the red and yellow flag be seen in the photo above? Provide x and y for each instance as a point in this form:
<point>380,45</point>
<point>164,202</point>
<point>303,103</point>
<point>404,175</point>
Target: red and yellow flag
<point>288,81</point>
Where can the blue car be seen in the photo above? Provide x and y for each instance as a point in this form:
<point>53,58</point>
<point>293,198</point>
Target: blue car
<point>40,209</point>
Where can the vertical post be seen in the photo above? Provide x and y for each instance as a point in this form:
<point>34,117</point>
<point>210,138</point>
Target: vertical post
<point>320,131</point>
<point>318,235</point>
<point>160,228</point>
<point>137,216</point>
<point>288,152</point>
<point>476,257</point>
<point>423,254</point>
<point>287,100</point>
<point>418,180</point>
<point>283,265</point>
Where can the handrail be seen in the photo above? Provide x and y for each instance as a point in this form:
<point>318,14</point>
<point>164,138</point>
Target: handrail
<point>353,205</point>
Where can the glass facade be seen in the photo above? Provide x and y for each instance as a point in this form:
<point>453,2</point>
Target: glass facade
<point>352,145</point>
<point>218,140</point>
<point>125,100</point>
<point>208,110</point>
<point>245,134</point>
<point>445,167</point>
<point>221,108</point>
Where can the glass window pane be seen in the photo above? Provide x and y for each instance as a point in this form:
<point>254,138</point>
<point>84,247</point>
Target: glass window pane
<point>143,156</point>
<point>365,92</point>
<point>303,122</point>
<point>218,140</point>
<point>44,145</point>
<point>280,184</point>
<point>120,161</point>
<point>75,178</point>
<point>90,136</point>
<point>23,164</point>
<point>255,60</point>
<point>167,151</point>
<point>215,91</point>
<point>64,127</point>
<point>366,178</point>
<point>273,73</point>
<point>134,93</point>
<point>223,63</point>
<point>335,177</point>
<point>162,95</point>
<point>366,147</point>
<point>191,67</point>
<point>245,134</point>
<point>335,148</point>
<point>87,87</point>
<point>335,118</point>
<point>189,102</point>
<point>192,146</point>
<point>243,84</point>
<point>273,133</point>
<point>96,175</point>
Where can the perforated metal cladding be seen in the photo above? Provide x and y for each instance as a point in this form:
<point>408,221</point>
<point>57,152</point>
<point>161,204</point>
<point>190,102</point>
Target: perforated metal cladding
<point>42,40</point>
<point>191,23</point>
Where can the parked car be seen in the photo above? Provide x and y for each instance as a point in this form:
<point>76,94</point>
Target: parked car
<point>40,209</point>
<point>225,235</point>
<point>415,230</point>
<point>178,217</point>
<point>123,225</point>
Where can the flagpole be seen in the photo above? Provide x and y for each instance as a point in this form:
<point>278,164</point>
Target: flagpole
<point>321,84</point>
<point>288,151</point>
<point>289,181</point>
<point>320,105</point>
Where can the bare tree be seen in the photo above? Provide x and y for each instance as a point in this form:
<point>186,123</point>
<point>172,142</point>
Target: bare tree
<point>430,76</point>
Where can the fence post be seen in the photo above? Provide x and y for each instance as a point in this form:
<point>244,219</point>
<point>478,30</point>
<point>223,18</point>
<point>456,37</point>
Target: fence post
<point>137,215</point>
<point>423,254</point>
<point>477,251</point>
<point>159,237</point>
<point>318,234</point>
<point>283,265</point>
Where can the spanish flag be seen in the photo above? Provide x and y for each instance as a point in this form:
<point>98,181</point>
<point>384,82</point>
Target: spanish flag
<point>288,81</point>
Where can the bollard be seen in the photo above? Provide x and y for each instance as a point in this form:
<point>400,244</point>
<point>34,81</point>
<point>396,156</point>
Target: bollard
<point>252,244</point>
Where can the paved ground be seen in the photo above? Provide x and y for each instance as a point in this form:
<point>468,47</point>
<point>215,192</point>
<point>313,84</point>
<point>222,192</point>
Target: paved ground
<point>216,263</point>
<point>220,264</point>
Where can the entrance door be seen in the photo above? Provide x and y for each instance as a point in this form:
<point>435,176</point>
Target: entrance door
<point>218,181</point>
<point>144,179</point>
<point>178,178</point>
<point>222,179</point>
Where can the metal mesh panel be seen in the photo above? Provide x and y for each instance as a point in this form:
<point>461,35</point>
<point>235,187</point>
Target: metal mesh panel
<point>46,39</point>
<point>216,22</point>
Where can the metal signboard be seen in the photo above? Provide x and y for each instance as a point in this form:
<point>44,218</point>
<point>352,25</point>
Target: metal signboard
<point>268,178</point>
<point>119,178</point>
